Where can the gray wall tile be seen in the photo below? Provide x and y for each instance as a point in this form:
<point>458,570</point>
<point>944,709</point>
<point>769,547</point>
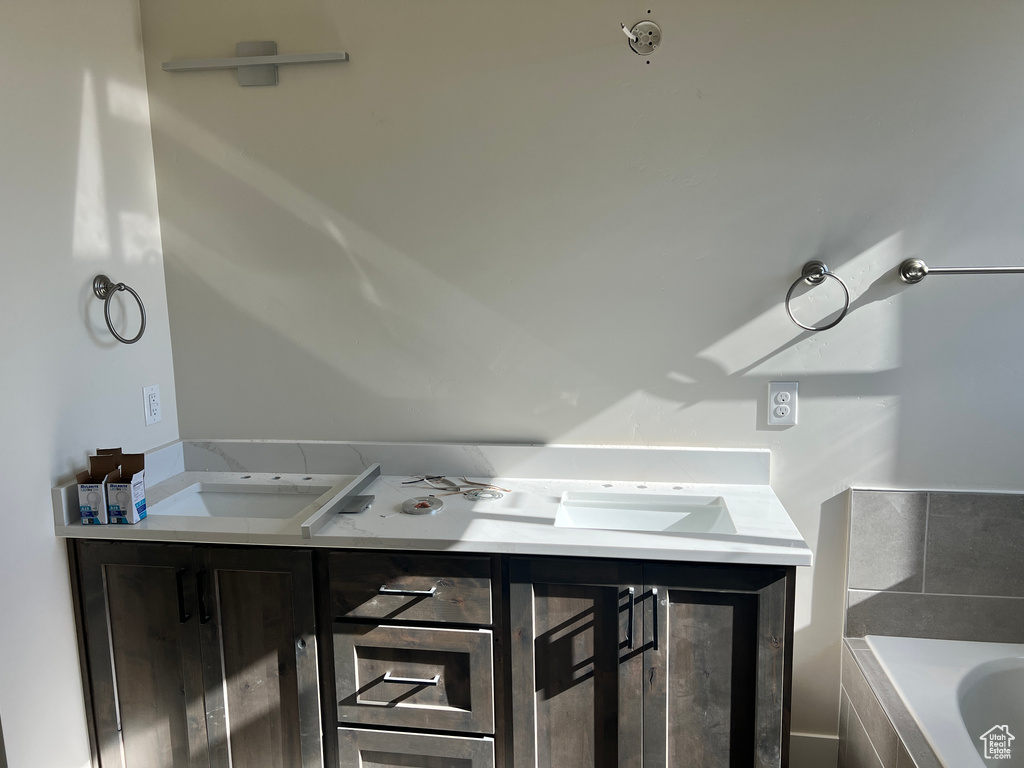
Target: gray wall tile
<point>947,617</point>
<point>974,544</point>
<point>859,752</point>
<point>887,540</point>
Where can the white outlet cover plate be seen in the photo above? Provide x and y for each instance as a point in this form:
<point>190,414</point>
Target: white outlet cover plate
<point>782,403</point>
<point>151,400</point>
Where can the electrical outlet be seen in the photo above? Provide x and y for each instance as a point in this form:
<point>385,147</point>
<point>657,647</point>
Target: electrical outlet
<point>782,403</point>
<point>151,396</point>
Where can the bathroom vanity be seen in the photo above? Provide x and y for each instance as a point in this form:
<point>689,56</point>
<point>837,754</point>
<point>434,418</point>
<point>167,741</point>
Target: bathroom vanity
<point>498,632</point>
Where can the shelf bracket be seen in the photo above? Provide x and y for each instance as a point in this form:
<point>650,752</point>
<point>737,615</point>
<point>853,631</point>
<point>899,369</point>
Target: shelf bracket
<point>256,62</point>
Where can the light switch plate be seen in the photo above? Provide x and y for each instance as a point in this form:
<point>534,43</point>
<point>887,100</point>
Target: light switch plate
<point>782,402</point>
<point>151,397</point>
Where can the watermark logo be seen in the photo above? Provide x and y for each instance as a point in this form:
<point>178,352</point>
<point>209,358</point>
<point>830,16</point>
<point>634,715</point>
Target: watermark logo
<point>997,742</point>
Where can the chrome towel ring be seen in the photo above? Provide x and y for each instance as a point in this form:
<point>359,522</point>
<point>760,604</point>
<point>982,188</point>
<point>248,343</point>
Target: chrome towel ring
<point>104,289</point>
<point>814,273</point>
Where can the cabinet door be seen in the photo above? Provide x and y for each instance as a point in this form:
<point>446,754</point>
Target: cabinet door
<point>576,664</point>
<point>142,641</point>
<point>714,666</point>
<point>256,623</point>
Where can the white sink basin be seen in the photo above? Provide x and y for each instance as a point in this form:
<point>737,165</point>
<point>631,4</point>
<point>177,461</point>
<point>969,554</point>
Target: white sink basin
<point>240,500</point>
<point>684,515</point>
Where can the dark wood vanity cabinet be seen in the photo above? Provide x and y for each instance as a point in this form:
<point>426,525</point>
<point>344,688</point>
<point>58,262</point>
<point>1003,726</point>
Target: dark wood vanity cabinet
<point>577,663</point>
<point>291,658</point>
<point>200,656</point>
<point>667,666</point>
<point>414,650</point>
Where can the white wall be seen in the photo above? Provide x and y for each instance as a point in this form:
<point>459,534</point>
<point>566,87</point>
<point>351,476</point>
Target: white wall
<point>498,223</point>
<point>77,197</point>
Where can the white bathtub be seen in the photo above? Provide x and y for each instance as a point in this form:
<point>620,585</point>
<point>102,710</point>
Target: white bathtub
<point>959,693</point>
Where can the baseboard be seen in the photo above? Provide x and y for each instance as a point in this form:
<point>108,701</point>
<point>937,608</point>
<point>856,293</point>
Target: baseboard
<point>813,750</point>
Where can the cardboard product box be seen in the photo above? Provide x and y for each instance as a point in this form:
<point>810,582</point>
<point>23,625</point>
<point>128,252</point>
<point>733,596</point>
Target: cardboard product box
<point>92,489</point>
<point>126,490</point>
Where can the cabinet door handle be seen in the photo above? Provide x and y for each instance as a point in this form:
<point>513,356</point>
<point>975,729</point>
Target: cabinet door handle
<point>183,615</point>
<point>386,590</point>
<point>629,618</point>
<point>654,618</point>
<point>204,613</point>
<point>389,678</point>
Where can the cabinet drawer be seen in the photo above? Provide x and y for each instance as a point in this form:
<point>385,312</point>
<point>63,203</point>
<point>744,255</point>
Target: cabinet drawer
<point>384,749</point>
<point>414,677</point>
<point>445,589</point>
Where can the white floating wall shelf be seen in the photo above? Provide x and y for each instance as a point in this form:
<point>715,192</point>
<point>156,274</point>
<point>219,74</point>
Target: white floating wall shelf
<point>256,62</point>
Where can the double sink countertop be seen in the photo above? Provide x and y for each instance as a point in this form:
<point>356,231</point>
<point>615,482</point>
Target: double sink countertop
<point>705,505</point>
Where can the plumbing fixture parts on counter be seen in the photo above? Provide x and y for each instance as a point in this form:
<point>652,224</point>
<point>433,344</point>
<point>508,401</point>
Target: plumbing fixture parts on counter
<point>105,288</point>
<point>814,273</point>
<point>478,491</point>
<point>358,504</point>
<point>422,505</point>
<point>432,504</point>
<point>483,494</point>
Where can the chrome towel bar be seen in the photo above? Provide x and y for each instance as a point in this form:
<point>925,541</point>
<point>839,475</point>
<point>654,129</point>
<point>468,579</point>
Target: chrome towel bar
<point>914,271</point>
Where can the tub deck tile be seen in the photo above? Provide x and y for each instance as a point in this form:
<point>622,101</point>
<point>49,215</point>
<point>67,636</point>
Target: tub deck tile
<point>910,742</point>
<point>869,710</point>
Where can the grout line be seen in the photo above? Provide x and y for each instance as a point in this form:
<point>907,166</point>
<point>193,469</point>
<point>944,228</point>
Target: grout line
<point>844,738</point>
<point>846,609</point>
<point>849,545</point>
<point>930,594</point>
<point>924,553</point>
<point>951,491</point>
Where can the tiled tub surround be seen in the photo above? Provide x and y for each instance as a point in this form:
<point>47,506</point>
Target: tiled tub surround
<point>876,729</point>
<point>921,564</point>
<point>921,702</point>
<point>962,694</point>
<point>936,564</point>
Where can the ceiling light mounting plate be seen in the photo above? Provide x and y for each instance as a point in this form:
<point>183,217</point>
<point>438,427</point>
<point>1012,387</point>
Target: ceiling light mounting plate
<point>648,37</point>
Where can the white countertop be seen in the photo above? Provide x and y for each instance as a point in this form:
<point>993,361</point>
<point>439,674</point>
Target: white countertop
<point>522,522</point>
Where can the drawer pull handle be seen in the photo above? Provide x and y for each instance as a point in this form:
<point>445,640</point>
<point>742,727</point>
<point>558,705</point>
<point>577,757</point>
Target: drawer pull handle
<point>389,678</point>
<point>183,614</point>
<point>386,590</point>
<point>204,613</point>
<point>629,618</point>
<point>654,594</point>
